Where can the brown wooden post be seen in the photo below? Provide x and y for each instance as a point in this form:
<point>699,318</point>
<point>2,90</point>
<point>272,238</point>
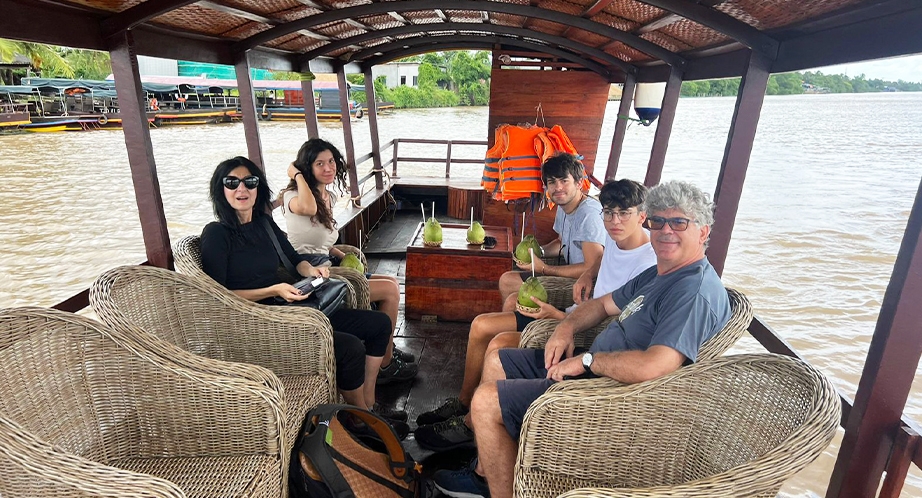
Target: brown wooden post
<point>372,112</point>
<point>888,373</point>
<point>664,127</point>
<point>617,140</point>
<point>346,119</point>
<point>736,156</point>
<point>310,108</point>
<point>140,151</point>
<point>907,442</point>
<point>248,108</point>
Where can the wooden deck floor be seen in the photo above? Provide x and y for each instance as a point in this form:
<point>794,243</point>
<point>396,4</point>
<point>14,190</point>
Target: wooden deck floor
<point>439,347</point>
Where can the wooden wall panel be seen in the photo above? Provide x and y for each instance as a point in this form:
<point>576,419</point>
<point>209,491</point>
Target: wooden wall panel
<point>574,100</point>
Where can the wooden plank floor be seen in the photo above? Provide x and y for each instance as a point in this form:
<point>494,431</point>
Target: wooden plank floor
<point>439,347</point>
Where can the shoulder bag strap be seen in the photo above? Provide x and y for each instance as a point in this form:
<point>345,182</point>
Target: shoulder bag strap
<point>278,248</point>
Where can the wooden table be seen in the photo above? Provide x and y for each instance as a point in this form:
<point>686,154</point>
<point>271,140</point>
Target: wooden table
<point>456,281</point>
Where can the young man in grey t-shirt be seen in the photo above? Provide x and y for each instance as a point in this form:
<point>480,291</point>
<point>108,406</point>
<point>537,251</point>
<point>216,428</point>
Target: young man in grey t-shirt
<point>580,232</point>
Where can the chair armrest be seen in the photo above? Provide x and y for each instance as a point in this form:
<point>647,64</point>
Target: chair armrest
<point>538,332</point>
<point>361,296</point>
<point>32,467</point>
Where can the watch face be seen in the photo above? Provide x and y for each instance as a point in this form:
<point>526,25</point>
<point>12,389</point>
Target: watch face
<point>587,360</point>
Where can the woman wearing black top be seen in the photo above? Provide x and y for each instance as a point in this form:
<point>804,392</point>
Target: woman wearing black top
<point>238,253</point>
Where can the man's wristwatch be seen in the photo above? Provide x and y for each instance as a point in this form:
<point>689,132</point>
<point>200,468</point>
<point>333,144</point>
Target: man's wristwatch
<point>587,362</point>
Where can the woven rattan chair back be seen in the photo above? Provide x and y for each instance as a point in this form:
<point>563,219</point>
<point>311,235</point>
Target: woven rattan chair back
<point>85,411</point>
<point>731,426</point>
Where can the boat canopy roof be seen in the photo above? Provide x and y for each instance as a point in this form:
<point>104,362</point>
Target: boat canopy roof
<point>17,89</point>
<point>704,38</point>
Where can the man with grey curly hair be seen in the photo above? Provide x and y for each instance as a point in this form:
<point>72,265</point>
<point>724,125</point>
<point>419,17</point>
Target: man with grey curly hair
<point>663,316</point>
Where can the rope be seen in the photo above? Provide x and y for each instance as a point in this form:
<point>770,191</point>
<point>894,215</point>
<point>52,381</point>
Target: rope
<point>540,110</point>
<point>641,121</point>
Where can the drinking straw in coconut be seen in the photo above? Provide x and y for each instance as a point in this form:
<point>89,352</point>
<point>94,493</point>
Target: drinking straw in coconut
<point>472,215</point>
<point>423,209</point>
<point>531,252</point>
<point>433,209</point>
<point>360,240</point>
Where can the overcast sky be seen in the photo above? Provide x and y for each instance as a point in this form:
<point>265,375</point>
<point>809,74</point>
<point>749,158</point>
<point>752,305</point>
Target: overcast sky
<point>907,68</point>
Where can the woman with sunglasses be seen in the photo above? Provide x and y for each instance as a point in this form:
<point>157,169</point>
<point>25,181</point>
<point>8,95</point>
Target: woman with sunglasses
<point>239,254</point>
<point>307,205</point>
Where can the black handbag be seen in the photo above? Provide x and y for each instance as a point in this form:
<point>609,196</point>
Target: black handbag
<point>326,295</point>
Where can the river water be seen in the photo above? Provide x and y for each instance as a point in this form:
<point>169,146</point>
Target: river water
<point>827,197</point>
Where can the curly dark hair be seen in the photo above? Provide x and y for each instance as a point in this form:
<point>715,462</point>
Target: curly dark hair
<point>222,209</point>
<point>306,157</point>
<point>622,194</point>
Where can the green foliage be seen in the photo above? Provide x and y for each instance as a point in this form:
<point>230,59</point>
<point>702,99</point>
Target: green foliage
<point>47,60</point>
<point>797,83</point>
<point>88,64</point>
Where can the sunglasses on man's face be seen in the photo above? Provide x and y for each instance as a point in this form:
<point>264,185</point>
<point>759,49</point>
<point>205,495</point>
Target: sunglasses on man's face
<point>232,182</point>
<point>658,222</point>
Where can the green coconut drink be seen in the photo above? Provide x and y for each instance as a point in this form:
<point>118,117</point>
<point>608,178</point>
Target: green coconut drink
<point>476,234</point>
<point>522,256</point>
<point>530,289</point>
<point>352,261</point>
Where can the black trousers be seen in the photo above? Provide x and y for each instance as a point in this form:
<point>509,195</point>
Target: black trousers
<point>357,333</point>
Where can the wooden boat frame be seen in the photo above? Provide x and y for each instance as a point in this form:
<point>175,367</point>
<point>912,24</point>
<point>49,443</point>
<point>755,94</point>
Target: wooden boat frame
<point>583,34</point>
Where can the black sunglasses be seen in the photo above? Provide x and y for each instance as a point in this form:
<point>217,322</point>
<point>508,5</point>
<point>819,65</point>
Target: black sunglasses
<point>232,182</point>
<point>658,222</point>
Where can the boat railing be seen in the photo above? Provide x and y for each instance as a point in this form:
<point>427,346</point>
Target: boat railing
<point>396,158</point>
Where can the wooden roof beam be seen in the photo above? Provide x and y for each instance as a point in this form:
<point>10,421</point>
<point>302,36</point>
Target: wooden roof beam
<point>592,10</point>
<point>636,42</point>
<point>252,16</point>
<point>487,28</point>
<point>722,23</point>
<point>667,19</point>
<point>403,48</point>
<point>144,11</point>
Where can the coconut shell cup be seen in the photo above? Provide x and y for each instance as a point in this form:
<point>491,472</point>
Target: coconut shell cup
<point>432,244</point>
<point>473,242</point>
<point>520,262</point>
<point>526,309</point>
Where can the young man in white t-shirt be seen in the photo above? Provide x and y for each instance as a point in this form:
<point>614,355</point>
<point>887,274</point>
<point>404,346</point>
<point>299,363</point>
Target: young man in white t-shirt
<point>627,253</point>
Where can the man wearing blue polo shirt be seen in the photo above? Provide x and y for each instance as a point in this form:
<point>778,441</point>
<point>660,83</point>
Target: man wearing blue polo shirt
<point>664,315</point>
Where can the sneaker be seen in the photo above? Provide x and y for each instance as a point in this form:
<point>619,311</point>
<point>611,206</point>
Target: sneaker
<point>446,435</point>
<point>397,371</point>
<point>403,355</point>
<point>390,413</point>
<point>451,407</point>
<point>464,483</point>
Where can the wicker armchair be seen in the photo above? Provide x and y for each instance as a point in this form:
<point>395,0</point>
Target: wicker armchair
<point>202,317</point>
<point>730,426</point>
<point>187,255</point>
<point>86,411</point>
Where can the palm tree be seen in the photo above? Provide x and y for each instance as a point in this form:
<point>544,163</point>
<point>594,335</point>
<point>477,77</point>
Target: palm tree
<point>45,59</point>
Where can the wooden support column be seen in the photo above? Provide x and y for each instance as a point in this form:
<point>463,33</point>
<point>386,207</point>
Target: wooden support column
<point>372,113</point>
<point>888,373</point>
<point>136,128</point>
<point>248,108</point>
<point>310,108</point>
<point>617,140</point>
<point>664,128</point>
<point>346,119</point>
<point>736,156</point>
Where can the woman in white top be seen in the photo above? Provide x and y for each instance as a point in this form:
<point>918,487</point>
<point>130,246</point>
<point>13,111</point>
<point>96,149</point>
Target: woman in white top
<point>307,205</point>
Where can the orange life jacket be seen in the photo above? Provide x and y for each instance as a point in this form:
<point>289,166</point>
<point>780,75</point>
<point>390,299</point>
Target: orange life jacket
<point>520,166</point>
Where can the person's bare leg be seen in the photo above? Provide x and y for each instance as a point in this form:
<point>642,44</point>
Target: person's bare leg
<point>511,301</point>
<point>355,397</point>
<point>372,365</point>
<point>496,448</point>
<point>509,283</point>
<point>483,329</point>
<point>386,293</point>
<point>503,341</point>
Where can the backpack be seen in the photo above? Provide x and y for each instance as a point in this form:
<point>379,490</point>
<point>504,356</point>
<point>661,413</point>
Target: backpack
<point>344,451</point>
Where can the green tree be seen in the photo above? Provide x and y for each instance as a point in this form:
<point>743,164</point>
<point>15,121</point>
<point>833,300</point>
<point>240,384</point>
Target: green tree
<point>88,64</point>
<point>46,60</point>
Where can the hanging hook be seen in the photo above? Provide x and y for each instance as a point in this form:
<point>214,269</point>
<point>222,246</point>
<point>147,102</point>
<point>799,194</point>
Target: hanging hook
<point>540,111</point>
